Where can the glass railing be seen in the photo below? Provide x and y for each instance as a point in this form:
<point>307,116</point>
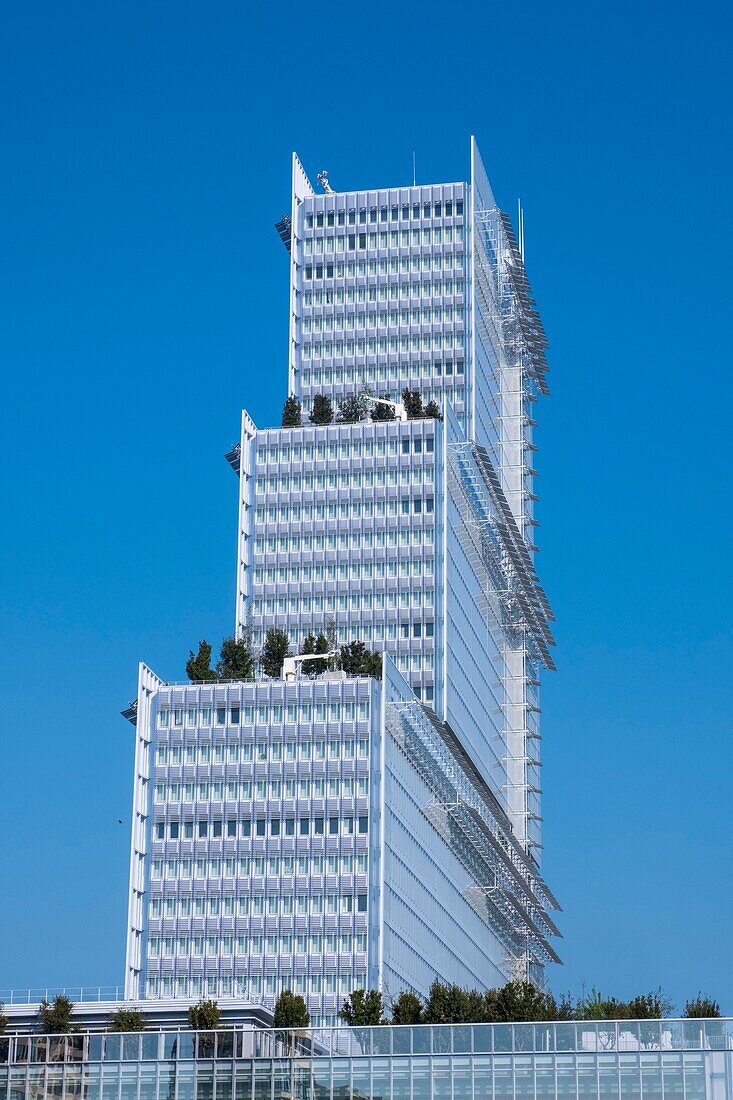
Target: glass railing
<point>441,1039</point>
<point>76,994</point>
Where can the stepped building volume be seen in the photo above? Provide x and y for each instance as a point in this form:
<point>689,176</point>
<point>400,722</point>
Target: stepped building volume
<point>328,831</point>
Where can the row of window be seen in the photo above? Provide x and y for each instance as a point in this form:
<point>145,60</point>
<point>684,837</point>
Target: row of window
<point>264,827</point>
<point>344,509</point>
<point>245,905</point>
<point>364,602</point>
<point>338,449</point>
<point>254,987</point>
<point>324,244</point>
<point>331,904</point>
<point>235,790</point>
<point>346,479</point>
<point>340,321</point>
<point>403,212</point>
<point>435,341</point>
<point>355,571</point>
<point>246,753</point>
<point>343,540</point>
<point>394,373</point>
<point>266,714</point>
<point>328,943</point>
<point>448,261</point>
<point>425,288</point>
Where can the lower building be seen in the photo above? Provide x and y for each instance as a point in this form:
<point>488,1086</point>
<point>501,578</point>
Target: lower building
<point>605,1060</point>
<point>320,835</point>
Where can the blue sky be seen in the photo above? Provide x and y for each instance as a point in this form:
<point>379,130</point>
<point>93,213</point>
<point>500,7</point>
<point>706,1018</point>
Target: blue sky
<point>144,301</point>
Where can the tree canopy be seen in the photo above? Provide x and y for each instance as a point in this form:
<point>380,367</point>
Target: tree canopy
<point>322,410</point>
<point>407,1008</point>
<point>199,667</point>
<point>315,643</point>
<point>291,413</point>
<point>364,1008</point>
<point>353,409</point>
<point>357,660</point>
<point>702,1008</point>
<point>383,412</point>
<point>274,651</point>
<point>236,661</point>
<point>204,1015</point>
<point>54,1017</point>
<point>126,1019</point>
<point>290,1011</point>
<point>412,400</point>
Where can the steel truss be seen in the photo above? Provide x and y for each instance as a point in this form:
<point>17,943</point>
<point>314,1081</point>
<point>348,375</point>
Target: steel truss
<point>506,892</point>
<point>510,590</point>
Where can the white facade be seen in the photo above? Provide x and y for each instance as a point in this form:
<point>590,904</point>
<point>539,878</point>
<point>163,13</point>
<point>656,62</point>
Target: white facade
<point>332,833</point>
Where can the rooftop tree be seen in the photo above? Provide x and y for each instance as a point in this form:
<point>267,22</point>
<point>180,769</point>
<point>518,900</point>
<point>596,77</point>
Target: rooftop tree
<point>364,1008</point>
<point>236,660</point>
<point>352,409</point>
<point>204,1015</point>
<point>383,412</point>
<point>412,400</point>
<point>274,651</point>
<point>54,1017</point>
<point>126,1019</point>
<point>407,1008</point>
<point>315,643</point>
<point>199,667</point>
<point>291,413</point>
<point>357,660</point>
<point>322,411</point>
<point>290,1011</point>
<point>519,1001</point>
<point>432,409</point>
<point>702,1008</point>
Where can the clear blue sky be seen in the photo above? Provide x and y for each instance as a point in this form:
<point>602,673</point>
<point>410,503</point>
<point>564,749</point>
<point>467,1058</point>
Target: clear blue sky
<point>143,301</point>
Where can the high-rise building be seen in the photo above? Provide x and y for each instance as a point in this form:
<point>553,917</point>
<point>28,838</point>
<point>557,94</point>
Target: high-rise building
<point>329,831</point>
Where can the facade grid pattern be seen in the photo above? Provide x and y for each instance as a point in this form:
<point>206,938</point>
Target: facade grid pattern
<point>330,833</point>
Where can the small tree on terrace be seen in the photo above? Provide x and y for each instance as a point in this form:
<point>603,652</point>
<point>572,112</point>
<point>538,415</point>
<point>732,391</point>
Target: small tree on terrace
<point>364,1008</point>
<point>702,1008</point>
<point>412,401</point>
<point>357,660</point>
<point>352,409</point>
<point>383,412</point>
<point>291,413</point>
<point>446,1004</point>
<point>518,1001</point>
<point>54,1017</point>
<point>322,411</point>
<point>126,1019</point>
<point>407,1009</point>
<point>204,1015</point>
<point>236,661</point>
<point>199,667</point>
<point>315,643</point>
<point>648,1006</point>
<point>274,651</point>
<point>290,1011</point>
<point>433,410</point>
